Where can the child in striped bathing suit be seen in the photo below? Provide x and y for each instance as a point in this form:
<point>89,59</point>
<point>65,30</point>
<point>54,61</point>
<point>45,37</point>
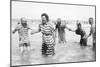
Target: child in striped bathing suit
<point>23,29</point>
<point>48,40</point>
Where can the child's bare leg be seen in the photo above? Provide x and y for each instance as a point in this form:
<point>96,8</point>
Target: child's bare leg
<point>21,49</point>
<point>28,48</point>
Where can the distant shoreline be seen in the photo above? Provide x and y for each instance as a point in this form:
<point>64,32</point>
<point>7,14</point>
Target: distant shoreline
<point>38,20</point>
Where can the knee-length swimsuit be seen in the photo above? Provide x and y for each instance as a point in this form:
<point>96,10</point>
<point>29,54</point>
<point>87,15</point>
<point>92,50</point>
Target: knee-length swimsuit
<point>23,35</point>
<point>48,40</point>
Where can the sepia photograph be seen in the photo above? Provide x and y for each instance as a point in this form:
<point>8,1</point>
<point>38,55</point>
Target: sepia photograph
<point>51,33</point>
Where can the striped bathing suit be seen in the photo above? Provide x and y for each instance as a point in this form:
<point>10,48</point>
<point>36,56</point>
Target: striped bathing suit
<point>48,42</point>
<point>23,35</point>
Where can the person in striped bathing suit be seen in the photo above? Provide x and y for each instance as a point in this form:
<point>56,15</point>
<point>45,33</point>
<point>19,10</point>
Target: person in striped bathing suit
<point>23,28</point>
<point>48,39</point>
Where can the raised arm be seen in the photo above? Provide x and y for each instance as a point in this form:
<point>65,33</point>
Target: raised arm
<point>14,30</point>
<point>17,28</point>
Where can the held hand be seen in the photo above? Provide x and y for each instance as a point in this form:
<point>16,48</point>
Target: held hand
<point>13,32</point>
<point>30,28</point>
<point>32,32</point>
<point>69,29</point>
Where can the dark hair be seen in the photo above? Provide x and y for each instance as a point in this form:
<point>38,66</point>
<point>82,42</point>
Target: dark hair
<point>46,15</point>
<point>91,18</point>
<point>78,24</point>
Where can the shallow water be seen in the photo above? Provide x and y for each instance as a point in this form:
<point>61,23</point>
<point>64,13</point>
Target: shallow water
<point>68,52</point>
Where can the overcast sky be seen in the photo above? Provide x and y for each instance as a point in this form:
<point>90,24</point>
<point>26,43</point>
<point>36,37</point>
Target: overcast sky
<point>34,11</point>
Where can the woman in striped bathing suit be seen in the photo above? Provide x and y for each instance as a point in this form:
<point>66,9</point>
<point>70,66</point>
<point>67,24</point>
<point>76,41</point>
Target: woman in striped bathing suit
<point>48,39</point>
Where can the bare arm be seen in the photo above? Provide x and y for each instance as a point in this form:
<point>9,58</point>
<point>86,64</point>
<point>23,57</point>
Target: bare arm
<point>14,30</point>
<point>17,27</point>
<point>35,31</point>
<point>54,23</point>
<point>85,36</point>
<point>90,32</point>
<point>29,28</point>
<point>69,29</point>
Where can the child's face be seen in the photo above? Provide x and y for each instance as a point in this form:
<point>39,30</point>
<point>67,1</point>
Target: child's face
<point>79,26</point>
<point>24,22</point>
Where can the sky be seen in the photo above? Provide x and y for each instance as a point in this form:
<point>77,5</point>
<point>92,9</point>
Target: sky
<point>32,10</point>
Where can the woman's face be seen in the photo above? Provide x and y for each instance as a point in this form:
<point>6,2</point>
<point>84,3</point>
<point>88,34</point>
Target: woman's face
<point>44,20</point>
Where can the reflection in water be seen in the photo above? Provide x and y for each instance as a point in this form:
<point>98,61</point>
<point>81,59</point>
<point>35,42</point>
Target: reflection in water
<point>25,58</point>
<point>49,59</point>
<point>70,52</point>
